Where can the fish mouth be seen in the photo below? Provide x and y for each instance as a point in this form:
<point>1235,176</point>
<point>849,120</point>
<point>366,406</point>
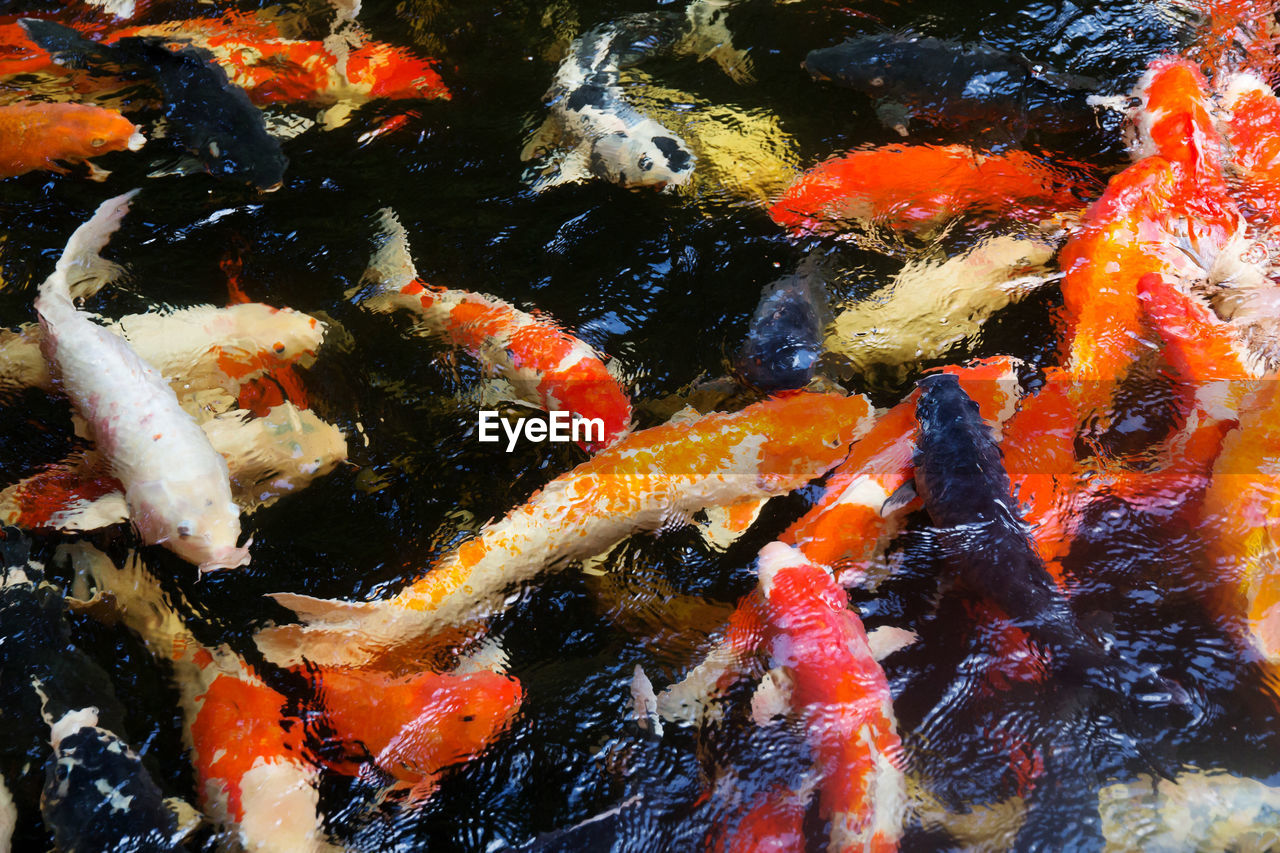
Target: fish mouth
<point>136,141</point>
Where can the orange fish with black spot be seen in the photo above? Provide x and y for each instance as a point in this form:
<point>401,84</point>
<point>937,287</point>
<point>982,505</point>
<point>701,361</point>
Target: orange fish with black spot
<point>36,135</point>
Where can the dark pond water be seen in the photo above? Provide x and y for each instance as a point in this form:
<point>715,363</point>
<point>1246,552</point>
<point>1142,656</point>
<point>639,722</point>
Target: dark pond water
<point>666,284</point>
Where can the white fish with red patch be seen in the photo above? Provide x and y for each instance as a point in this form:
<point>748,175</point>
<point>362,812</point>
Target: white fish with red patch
<point>176,485</point>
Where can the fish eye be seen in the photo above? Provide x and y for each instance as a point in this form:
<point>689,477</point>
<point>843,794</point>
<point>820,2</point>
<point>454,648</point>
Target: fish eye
<point>645,163</point>
<point>877,81</point>
<point>468,718</point>
<point>185,529</point>
<point>97,142</point>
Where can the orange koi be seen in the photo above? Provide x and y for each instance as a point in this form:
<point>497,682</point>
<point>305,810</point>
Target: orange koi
<point>647,479</point>
<point>810,636</point>
<point>248,754</point>
<point>1252,131</point>
<point>36,135</point>
<point>849,526</point>
<point>918,188</point>
<point>413,727</point>
<point>546,366</point>
<point>273,69</point>
<point>1238,521</point>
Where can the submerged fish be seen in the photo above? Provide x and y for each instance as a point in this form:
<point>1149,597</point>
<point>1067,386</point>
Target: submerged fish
<point>251,776</point>
<point>944,83</point>
<point>961,477</point>
<point>1197,810</point>
<point>592,130</point>
<point>38,136</point>
<point>785,334</point>
<point>413,727</point>
<point>545,365</point>
<point>919,188</point>
<point>654,477</point>
<point>930,308</point>
<point>212,118</point>
<point>273,69</point>
<point>176,484</point>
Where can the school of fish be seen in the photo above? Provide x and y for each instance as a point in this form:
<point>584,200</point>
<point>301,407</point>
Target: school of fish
<point>865,436</point>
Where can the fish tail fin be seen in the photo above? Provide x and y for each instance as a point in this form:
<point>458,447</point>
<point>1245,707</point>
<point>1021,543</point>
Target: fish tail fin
<point>391,266</point>
<point>81,270</point>
<point>333,633</point>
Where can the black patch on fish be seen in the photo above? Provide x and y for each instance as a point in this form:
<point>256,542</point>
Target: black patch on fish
<point>677,157</point>
<point>98,797</point>
<point>210,117</point>
<point>587,96</point>
<point>956,86</point>
<point>785,336</point>
<point>960,474</point>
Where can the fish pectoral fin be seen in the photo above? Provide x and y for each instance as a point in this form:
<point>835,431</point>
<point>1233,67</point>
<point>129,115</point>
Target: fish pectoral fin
<point>721,526</point>
<point>894,116</point>
<point>324,611</point>
<point>548,137</point>
<point>337,115</point>
<point>185,816</point>
<point>771,701</point>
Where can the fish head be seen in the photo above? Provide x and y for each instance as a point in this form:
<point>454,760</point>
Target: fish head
<point>868,64</point>
<point>183,517</point>
<point>87,131</point>
<point>646,154</point>
<point>244,157</point>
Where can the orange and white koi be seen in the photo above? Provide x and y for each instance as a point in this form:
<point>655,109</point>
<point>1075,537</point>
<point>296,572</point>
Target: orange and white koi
<point>919,188</point>
<point>1251,128</point>
<point>848,528</point>
<point>252,777</point>
<point>413,727</point>
<point>273,69</point>
<point>268,457</point>
<point>36,135</point>
<point>545,365</point>
<point>176,484</point>
<point>647,479</point>
<point>197,349</point>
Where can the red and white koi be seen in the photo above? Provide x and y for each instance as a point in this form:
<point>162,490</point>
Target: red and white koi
<point>199,348</point>
<point>252,777</point>
<point>268,457</point>
<point>176,484</point>
<point>650,478</point>
<point>273,69</point>
<point>545,365</point>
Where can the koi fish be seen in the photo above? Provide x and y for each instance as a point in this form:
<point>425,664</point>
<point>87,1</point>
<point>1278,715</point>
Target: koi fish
<point>38,135</point>
<point>1252,132</point>
<point>268,457</point>
<point>198,348</point>
<point>861,507</point>
<point>839,691</point>
<point>647,479</point>
<point>960,476</point>
<point>1195,810</point>
<point>413,727</point>
<point>932,308</point>
<point>954,86</point>
<point>784,335</point>
<point>273,69</point>
<point>97,794</point>
<point>919,188</point>
<point>176,485</point>
<point>251,776</point>
<point>592,127</point>
<point>546,366</point>
<point>211,118</point>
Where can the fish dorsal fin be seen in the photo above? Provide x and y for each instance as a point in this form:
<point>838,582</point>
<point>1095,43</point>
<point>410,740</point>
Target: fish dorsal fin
<point>391,267</point>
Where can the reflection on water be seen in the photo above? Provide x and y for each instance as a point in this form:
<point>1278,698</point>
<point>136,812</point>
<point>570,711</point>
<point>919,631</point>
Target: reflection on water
<point>997,753</point>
